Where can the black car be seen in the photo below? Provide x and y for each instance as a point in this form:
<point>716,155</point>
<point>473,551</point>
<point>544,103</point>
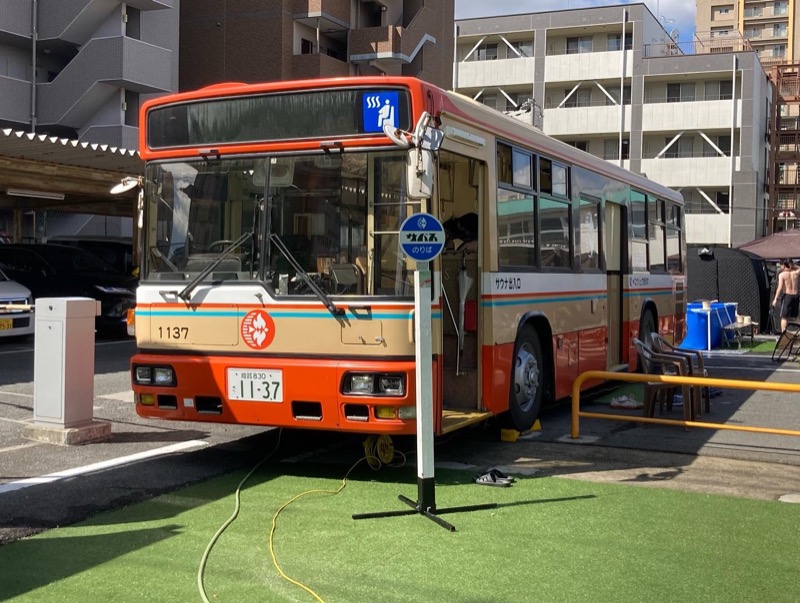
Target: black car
<point>61,271</point>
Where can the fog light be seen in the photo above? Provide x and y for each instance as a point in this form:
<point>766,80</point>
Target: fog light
<point>143,375</point>
<point>163,376</point>
<point>147,400</point>
<point>384,412</point>
<point>392,384</point>
<point>361,384</point>
<point>407,412</point>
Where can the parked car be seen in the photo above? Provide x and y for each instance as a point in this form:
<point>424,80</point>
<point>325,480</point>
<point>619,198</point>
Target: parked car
<point>14,322</point>
<point>50,270</point>
<point>115,251</point>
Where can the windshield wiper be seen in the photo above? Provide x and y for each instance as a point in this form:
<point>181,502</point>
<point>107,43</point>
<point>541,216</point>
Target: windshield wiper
<point>187,290</point>
<point>304,275</point>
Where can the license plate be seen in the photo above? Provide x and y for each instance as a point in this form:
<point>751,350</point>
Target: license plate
<point>255,385</point>
<point>6,324</point>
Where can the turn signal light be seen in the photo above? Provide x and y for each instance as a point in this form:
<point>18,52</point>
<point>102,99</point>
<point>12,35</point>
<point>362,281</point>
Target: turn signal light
<point>130,322</point>
<point>147,400</point>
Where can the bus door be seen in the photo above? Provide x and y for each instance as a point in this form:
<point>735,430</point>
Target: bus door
<point>614,240</point>
<point>460,189</point>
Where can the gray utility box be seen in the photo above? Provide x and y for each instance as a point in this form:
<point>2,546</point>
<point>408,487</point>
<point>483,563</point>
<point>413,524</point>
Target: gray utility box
<point>63,369</point>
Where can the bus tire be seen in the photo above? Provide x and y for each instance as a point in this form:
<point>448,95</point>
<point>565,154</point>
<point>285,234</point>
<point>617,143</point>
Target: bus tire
<point>646,326</point>
<point>527,380</point>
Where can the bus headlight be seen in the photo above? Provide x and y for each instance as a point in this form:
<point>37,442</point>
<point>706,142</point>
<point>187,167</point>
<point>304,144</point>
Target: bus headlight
<point>393,385</point>
<point>154,375</point>
<point>163,376</point>
<point>361,384</point>
<point>143,375</point>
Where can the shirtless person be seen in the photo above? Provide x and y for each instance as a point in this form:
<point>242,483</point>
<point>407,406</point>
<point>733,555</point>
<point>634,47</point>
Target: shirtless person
<point>787,285</point>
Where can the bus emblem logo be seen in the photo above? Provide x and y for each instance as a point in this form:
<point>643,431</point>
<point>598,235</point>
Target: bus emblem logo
<point>258,329</point>
<point>380,109</point>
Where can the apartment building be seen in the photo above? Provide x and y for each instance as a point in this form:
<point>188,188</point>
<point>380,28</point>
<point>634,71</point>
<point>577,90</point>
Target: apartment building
<point>79,69</point>
<point>770,29</point>
<point>613,82</point>
<point>769,26</point>
<point>267,40</point>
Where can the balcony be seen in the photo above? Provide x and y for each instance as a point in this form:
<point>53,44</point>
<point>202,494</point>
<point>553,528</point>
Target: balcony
<point>708,229</point>
<point>391,43</point>
<point>335,10</point>
<point>16,105</point>
<point>690,115</point>
<point>76,22</point>
<point>501,72</point>
<point>586,66</point>
<point>101,68</point>
<point>579,121</point>
<point>318,65</point>
<point>690,171</point>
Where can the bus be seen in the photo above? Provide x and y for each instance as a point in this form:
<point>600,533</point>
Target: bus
<point>273,290</point>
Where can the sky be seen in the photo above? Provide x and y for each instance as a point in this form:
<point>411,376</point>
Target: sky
<point>682,11</point>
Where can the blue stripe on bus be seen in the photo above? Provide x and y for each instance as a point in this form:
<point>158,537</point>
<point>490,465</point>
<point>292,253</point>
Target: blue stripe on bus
<point>539,300</point>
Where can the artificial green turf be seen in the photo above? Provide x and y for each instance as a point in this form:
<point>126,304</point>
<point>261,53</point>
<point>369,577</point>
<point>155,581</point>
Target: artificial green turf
<point>550,539</point>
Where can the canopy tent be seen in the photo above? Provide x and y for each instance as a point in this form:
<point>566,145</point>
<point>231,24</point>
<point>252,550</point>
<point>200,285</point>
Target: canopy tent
<point>784,244</point>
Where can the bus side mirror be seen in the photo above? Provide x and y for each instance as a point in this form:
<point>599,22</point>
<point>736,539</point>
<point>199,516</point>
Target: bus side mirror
<point>419,173</point>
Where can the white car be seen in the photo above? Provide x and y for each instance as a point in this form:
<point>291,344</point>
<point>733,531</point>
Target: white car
<point>14,322</point>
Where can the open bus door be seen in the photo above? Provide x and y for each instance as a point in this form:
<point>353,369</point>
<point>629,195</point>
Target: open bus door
<point>460,193</point>
<point>614,245</point>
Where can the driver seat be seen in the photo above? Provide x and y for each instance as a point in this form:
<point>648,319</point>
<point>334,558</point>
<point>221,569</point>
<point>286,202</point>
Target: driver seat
<point>347,278</point>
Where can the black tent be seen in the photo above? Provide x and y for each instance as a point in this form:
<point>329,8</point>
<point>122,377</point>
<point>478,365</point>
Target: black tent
<point>732,275</point>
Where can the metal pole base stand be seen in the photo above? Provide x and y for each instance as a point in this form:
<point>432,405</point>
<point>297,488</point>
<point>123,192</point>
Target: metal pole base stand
<point>426,506</point>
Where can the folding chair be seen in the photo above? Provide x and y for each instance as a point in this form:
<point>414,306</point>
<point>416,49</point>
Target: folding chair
<point>788,344</point>
<point>656,392</point>
<point>696,367</point>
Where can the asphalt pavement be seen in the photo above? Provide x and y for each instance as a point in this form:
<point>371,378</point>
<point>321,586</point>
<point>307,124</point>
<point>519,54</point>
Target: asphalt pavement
<point>44,485</point>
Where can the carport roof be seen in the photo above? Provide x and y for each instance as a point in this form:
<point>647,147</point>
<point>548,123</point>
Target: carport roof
<point>42,147</point>
<point>74,176</point>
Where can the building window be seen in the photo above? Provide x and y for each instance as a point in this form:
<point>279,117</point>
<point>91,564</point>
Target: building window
<point>611,149</point>
<point>681,148</point>
<point>582,97</point>
<point>779,51</point>
<point>719,90</point>
<point>614,92</point>
<point>490,100</point>
<point>524,47</point>
<point>680,93</point>
<point>581,145</point>
<point>780,30</point>
<point>614,42</point>
<point>306,46</point>
<point>579,45</point>
<point>485,52</point>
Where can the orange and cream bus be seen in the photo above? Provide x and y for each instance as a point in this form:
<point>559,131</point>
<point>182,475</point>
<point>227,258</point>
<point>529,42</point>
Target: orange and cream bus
<point>273,290</point>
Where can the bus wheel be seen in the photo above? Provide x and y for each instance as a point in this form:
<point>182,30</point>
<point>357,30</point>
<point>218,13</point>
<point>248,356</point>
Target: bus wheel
<point>647,326</point>
<point>527,380</point>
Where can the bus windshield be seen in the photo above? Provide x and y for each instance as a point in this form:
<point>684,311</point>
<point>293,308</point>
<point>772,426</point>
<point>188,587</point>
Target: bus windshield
<point>337,216</point>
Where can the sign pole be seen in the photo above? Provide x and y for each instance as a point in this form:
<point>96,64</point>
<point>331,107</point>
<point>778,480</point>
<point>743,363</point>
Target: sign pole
<point>422,239</point>
<point>426,491</point>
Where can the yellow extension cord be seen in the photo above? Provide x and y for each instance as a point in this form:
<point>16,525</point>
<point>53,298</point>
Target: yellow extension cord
<point>378,451</point>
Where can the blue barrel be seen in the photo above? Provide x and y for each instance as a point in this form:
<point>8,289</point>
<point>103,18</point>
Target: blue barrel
<point>697,324</point>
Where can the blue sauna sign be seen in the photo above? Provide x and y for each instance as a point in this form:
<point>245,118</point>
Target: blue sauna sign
<point>380,108</point>
<point>421,237</point>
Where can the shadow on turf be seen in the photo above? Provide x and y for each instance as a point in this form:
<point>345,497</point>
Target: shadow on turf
<point>56,558</point>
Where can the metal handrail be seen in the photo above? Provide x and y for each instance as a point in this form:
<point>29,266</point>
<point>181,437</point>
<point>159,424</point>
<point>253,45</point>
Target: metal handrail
<point>704,381</point>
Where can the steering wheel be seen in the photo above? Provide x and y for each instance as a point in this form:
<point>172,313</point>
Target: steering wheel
<point>222,244</point>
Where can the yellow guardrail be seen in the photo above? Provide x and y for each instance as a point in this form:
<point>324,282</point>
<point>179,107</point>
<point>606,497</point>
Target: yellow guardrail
<point>577,413</point>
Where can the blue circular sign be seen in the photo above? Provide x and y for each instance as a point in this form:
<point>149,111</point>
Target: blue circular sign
<point>421,237</point>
